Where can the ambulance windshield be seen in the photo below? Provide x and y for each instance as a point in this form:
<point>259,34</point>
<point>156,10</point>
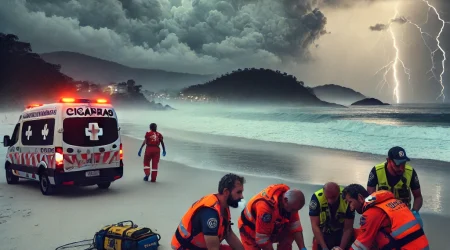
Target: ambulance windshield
<point>90,131</point>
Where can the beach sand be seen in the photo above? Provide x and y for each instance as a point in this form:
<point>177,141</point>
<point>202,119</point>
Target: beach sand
<point>29,220</point>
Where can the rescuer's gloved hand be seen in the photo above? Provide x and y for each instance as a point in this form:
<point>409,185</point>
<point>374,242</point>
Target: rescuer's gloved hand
<point>418,218</point>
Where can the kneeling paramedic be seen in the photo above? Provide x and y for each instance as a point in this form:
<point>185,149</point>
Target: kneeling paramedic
<point>386,222</point>
<point>208,221</point>
<point>272,216</point>
<point>152,151</point>
<point>331,218</point>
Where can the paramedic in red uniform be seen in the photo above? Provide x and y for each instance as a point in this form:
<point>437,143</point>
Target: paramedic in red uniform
<point>152,152</point>
<point>386,222</point>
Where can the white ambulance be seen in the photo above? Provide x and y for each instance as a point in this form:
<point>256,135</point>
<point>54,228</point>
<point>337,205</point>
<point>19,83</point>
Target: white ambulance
<point>72,142</point>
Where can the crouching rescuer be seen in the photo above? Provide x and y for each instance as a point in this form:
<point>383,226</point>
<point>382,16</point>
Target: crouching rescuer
<point>272,217</point>
<point>331,218</point>
<point>152,152</point>
<point>386,222</point>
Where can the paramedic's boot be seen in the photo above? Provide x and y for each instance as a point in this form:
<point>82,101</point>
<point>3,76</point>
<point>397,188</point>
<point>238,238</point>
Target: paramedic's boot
<point>146,178</point>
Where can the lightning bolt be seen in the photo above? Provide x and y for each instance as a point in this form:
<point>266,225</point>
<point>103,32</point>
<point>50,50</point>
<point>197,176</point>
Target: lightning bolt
<point>393,65</point>
<point>439,48</point>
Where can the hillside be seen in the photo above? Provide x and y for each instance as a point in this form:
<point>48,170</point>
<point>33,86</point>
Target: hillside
<point>87,68</point>
<point>337,94</point>
<point>256,86</point>
<point>369,102</point>
<point>25,78</point>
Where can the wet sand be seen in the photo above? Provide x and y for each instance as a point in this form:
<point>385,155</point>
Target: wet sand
<point>29,220</point>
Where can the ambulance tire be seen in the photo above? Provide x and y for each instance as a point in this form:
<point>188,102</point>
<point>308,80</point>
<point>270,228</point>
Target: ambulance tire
<point>104,185</point>
<point>10,177</point>
<point>44,183</point>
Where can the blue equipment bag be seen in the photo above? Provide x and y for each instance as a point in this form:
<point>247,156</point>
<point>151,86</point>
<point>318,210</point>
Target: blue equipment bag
<point>126,237</point>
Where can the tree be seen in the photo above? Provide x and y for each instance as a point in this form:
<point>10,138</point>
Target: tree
<point>137,89</point>
<point>130,86</point>
<point>24,73</point>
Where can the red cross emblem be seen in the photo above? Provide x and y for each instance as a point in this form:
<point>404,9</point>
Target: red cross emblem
<point>93,131</point>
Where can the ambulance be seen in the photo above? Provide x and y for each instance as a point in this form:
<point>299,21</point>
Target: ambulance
<point>70,142</point>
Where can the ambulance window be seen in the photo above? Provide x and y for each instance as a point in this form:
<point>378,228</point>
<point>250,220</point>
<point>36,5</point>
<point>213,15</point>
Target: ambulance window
<point>90,131</point>
<point>38,132</point>
<point>15,135</point>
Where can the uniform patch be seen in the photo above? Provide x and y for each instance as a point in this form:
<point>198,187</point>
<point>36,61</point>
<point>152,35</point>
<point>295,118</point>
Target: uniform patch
<point>312,205</point>
<point>370,198</point>
<point>362,221</point>
<point>371,176</point>
<point>267,217</point>
<point>416,180</point>
<point>212,223</point>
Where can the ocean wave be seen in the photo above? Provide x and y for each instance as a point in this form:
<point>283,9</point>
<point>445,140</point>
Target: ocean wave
<point>318,116</point>
<point>355,135</point>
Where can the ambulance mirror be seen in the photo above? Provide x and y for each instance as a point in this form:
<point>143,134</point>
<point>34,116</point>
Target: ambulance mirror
<point>6,141</point>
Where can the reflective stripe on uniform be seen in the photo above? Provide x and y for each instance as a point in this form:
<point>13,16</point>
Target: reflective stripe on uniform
<point>146,167</point>
<point>261,238</point>
<point>403,228</point>
<point>248,214</point>
<point>184,230</point>
<point>295,225</point>
<point>357,245</point>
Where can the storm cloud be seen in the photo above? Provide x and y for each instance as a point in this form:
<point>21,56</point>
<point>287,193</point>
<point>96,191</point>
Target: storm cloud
<point>379,27</point>
<point>196,36</point>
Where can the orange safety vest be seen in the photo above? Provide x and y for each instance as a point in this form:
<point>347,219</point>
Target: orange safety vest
<point>183,238</point>
<point>406,233</point>
<point>247,220</point>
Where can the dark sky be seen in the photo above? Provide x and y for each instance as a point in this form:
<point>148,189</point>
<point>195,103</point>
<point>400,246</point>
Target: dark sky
<point>333,44</point>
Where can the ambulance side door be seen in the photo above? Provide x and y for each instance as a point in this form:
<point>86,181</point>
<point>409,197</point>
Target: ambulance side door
<point>14,146</point>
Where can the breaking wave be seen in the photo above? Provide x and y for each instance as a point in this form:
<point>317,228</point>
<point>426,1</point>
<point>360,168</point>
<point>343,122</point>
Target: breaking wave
<point>424,134</point>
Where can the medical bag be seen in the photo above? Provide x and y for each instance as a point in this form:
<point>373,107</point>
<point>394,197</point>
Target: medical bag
<point>126,237</point>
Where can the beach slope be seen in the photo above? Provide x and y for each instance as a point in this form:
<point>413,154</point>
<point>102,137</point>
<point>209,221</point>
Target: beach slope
<point>29,220</point>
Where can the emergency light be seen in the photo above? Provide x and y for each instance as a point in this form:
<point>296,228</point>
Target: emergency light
<point>33,106</point>
<point>82,100</point>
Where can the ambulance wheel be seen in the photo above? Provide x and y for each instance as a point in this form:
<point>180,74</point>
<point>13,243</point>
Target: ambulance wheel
<point>104,185</point>
<point>10,177</point>
<point>44,183</point>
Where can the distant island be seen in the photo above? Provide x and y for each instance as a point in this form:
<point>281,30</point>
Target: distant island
<point>256,86</point>
<point>369,102</point>
<point>88,68</point>
<point>26,78</point>
<point>337,94</point>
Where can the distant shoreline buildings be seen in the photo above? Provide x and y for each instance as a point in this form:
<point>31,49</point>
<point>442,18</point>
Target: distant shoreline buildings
<point>130,87</point>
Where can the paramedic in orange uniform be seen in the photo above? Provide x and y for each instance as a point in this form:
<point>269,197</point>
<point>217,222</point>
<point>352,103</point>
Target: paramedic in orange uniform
<point>208,221</point>
<point>386,222</point>
<point>270,217</point>
<point>152,151</point>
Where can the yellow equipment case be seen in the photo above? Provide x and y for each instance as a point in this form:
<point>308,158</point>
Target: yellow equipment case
<point>126,237</point>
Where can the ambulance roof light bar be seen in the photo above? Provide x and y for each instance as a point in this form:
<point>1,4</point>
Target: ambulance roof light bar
<point>34,106</point>
<point>82,100</point>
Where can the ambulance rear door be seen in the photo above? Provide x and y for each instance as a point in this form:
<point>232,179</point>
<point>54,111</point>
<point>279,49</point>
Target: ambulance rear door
<point>91,138</point>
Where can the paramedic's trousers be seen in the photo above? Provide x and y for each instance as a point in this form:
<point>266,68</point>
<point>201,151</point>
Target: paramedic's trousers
<point>285,239</point>
<point>151,154</point>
